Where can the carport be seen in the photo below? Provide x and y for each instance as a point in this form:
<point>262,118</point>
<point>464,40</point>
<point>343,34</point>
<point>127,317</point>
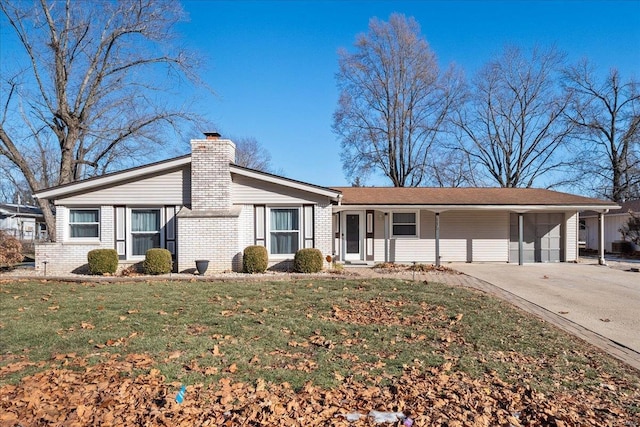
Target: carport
<point>542,237</point>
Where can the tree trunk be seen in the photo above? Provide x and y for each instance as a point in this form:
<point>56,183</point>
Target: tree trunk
<point>49,218</point>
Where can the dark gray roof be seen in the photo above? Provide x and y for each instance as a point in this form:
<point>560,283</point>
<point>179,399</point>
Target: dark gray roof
<point>8,209</point>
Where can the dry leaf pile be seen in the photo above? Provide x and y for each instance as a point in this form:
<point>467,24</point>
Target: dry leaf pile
<point>110,394</point>
<point>391,267</point>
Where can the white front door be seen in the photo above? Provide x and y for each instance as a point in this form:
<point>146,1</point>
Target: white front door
<point>353,226</point>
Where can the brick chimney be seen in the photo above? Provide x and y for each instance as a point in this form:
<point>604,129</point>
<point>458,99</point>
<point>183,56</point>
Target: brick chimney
<point>210,174</point>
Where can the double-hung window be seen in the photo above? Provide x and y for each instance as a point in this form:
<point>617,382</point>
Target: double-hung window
<point>145,230</point>
<point>284,231</point>
<point>404,224</point>
<point>84,223</point>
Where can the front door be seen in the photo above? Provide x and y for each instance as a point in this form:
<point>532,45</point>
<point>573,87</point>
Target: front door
<point>352,236</point>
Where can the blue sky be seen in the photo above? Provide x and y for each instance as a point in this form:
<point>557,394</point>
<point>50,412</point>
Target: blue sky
<point>273,64</point>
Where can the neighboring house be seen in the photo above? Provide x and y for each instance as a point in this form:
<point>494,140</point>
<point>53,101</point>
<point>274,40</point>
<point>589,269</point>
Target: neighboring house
<point>203,206</point>
<point>614,221</point>
<point>22,221</point>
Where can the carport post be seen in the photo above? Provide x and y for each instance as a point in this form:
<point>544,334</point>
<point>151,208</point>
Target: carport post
<point>437,239</point>
<point>386,237</point>
<point>601,259</point>
<point>520,238</point>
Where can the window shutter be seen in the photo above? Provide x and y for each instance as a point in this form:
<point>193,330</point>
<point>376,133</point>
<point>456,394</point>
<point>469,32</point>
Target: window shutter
<point>369,235</point>
<point>336,237</point>
<point>170,230</point>
<point>308,226</point>
<point>121,231</point>
<point>260,225</point>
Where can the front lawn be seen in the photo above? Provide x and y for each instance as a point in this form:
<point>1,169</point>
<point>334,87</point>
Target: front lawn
<point>296,353</point>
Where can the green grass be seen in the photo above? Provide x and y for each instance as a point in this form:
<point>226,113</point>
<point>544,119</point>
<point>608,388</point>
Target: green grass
<point>295,332</point>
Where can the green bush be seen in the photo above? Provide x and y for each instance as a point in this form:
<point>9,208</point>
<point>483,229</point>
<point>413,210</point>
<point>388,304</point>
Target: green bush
<point>308,261</point>
<point>255,259</point>
<point>157,261</point>
<point>102,261</point>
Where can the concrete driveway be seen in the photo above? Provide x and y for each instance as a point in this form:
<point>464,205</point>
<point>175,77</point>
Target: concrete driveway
<point>599,298</point>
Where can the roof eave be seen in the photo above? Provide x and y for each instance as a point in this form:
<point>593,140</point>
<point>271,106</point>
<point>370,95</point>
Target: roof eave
<point>444,207</point>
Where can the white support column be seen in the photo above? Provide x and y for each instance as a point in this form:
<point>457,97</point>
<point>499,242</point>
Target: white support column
<point>438,239</point>
<point>601,259</point>
<point>386,237</point>
<point>520,238</point>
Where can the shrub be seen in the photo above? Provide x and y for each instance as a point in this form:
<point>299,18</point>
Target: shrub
<point>308,261</point>
<point>10,249</point>
<point>255,259</point>
<point>102,261</point>
<point>157,261</point>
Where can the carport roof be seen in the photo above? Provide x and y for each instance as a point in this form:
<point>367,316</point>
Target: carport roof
<point>625,207</point>
<point>427,196</point>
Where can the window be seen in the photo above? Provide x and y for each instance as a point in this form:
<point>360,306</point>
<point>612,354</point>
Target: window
<point>404,224</point>
<point>145,230</point>
<point>284,231</point>
<point>84,223</point>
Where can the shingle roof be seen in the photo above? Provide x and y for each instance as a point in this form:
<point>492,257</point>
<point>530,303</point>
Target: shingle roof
<point>625,207</point>
<point>21,210</point>
<point>463,196</point>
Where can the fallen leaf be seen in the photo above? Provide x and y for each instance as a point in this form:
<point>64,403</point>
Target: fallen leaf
<point>175,354</point>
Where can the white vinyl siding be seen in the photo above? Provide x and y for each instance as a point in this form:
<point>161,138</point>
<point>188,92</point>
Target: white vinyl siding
<point>169,188</point>
<point>571,237</point>
<point>612,224</point>
<point>474,236</point>
<point>246,190</point>
<point>84,224</point>
<point>404,250</point>
<point>464,236</point>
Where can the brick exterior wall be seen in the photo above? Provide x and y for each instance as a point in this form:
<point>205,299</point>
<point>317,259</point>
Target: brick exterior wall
<point>66,255</point>
<point>246,230</point>
<point>323,230</point>
<point>211,238</point>
<point>210,230</point>
<point>210,175</point>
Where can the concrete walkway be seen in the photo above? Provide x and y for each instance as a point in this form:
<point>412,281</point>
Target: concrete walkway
<point>598,304</point>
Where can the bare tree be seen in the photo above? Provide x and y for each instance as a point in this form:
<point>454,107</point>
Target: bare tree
<point>250,154</point>
<point>606,114</point>
<point>92,88</point>
<point>452,168</point>
<point>512,122</point>
<point>393,102</point>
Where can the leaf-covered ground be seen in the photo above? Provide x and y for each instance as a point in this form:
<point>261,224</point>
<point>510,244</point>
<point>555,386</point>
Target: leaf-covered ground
<point>294,353</point>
